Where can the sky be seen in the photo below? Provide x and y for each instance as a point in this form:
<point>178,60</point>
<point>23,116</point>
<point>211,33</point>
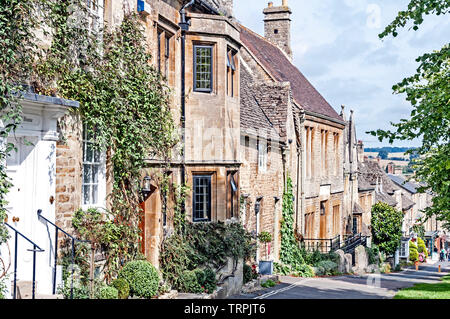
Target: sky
<point>336,46</point>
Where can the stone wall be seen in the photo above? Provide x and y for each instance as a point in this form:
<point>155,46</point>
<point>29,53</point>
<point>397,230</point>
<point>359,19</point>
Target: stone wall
<point>68,171</point>
<point>268,184</point>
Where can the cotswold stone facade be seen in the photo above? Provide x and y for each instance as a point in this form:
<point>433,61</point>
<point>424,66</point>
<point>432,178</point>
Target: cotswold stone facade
<point>69,158</point>
<point>309,131</point>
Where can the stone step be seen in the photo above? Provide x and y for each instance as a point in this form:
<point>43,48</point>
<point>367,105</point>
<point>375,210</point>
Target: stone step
<point>25,291</point>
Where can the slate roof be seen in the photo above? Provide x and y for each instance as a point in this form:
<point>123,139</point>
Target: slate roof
<point>252,115</point>
<point>402,182</point>
<point>357,209</point>
<point>371,170</point>
<point>385,198</point>
<point>407,203</point>
<point>281,68</point>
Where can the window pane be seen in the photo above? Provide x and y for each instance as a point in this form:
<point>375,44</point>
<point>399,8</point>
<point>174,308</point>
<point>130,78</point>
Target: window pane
<point>87,174</point>
<point>203,61</point>
<point>86,194</point>
<point>202,200</point>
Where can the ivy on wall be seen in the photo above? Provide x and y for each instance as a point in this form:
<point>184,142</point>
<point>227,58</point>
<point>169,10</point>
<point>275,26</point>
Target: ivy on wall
<point>124,102</point>
<point>17,20</point>
<point>290,253</point>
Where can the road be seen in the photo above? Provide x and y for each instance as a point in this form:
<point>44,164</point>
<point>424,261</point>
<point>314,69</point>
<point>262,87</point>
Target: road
<point>373,286</point>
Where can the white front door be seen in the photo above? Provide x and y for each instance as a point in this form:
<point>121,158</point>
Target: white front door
<point>21,166</point>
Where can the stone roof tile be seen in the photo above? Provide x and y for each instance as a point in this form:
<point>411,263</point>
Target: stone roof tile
<point>282,69</point>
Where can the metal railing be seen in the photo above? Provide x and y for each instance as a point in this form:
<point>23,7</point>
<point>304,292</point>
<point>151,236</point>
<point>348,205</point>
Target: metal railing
<point>352,242</point>
<point>36,249</point>
<point>323,245</point>
<point>73,240</point>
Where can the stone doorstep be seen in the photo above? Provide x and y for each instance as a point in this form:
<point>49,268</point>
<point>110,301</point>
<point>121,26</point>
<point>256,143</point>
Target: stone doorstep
<point>24,291</point>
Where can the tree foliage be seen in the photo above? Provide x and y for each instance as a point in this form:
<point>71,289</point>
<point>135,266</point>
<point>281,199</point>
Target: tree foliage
<point>428,91</point>
<point>386,227</point>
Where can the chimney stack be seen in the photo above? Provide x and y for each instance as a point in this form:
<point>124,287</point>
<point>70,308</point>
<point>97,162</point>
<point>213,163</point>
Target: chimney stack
<point>277,26</point>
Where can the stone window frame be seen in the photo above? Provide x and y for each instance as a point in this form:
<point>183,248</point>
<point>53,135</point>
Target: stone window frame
<point>165,53</point>
<point>210,47</point>
<point>232,194</point>
<point>263,155</point>
<point>98,162</point>
<point>208,178</point>
<point>336,138</point>
<point>232,68</point>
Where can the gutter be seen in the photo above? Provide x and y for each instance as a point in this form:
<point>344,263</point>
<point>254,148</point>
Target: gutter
<point>184,25</point>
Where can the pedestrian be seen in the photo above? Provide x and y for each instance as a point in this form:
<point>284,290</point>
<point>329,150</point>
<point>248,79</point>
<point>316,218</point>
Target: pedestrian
<point>442,255</point>
<point>448,253</point>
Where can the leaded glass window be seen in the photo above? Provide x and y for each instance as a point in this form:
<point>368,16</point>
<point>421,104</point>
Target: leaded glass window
<point>203,61</point>
<point>202,198</point>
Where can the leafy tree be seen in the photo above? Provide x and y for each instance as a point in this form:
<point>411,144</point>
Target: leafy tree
<point>386,227</point>
<point>428,91</point>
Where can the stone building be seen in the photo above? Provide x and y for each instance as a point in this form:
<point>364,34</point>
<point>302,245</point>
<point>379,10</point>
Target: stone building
<point>310,135</point>
<point>359,194</point>
<point>208,118</point>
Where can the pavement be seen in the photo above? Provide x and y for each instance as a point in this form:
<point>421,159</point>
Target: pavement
<point>370,286</point>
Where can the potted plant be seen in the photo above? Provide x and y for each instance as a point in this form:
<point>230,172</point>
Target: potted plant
<point>266,266</point>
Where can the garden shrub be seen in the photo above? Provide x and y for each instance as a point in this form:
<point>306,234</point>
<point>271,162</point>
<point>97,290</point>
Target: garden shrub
<point>268,283</point>
<point>301,270</point>
<point>189,282</point>
<point>209,283</point>
<point>122,287</point>
<point>108,292</point>
<point>204,245</point>
<point>373,254</point>
<point>421,247</point>
<point>329,267</point>
<point>80,291</point>
<point>142,277</point>
<point>385,268</point>
<point>413,252</point>
<point>247,273</point>
<point>250,273</point>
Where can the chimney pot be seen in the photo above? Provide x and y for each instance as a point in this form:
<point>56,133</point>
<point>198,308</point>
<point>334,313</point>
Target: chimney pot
<point>285,3</point>
<point>270,4</point>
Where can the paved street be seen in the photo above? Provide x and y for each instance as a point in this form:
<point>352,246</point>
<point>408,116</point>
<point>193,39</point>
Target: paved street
<point>375,286</point>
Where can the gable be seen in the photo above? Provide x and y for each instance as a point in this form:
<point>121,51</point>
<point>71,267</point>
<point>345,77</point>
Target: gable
<point>281,68</point>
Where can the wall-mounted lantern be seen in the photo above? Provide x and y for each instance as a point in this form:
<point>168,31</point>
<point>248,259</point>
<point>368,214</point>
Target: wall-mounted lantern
<point>146,187</point>
<point>258,205</point>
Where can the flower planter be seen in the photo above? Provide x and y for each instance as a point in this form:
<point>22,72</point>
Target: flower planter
<point>266,267</point>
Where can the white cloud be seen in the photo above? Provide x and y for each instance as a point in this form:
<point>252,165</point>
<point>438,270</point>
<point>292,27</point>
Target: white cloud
<point>336,46</point>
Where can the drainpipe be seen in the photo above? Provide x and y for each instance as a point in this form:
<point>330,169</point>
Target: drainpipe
<point>302,156</point>
<point>184,25</point>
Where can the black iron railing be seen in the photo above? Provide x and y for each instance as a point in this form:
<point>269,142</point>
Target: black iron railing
<point>324,245</point>
<point>36,249</point>
<point>73,240</point>
<point>350,244</point>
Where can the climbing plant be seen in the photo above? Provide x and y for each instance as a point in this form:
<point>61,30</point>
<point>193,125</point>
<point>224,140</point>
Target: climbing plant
<point>290,253</point>
<point>17,49</point>
<point>124,103</point>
